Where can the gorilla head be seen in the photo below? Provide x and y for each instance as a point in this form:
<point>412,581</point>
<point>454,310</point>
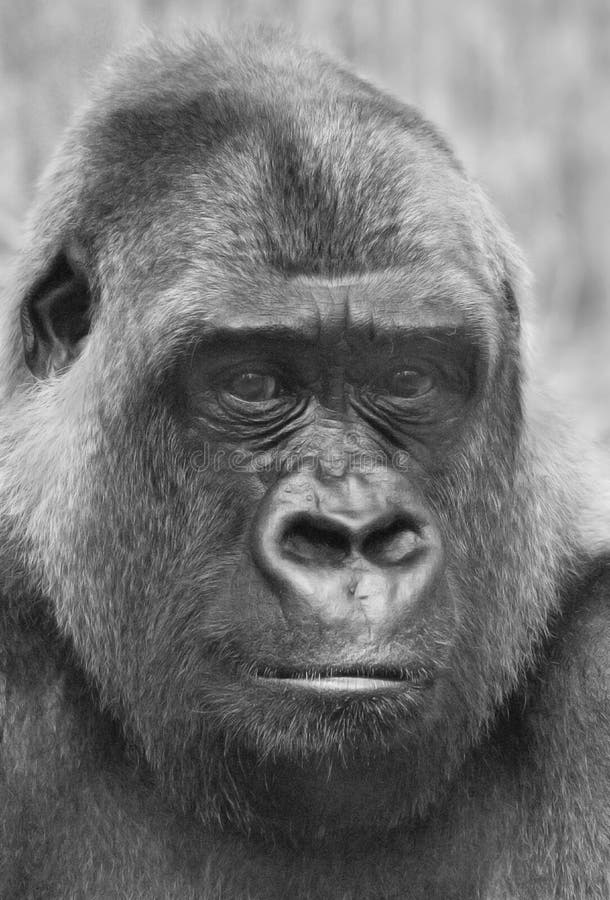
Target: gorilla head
<point>265,457</point>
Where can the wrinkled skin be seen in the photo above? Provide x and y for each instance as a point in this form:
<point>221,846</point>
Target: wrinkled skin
<point>300,597</point>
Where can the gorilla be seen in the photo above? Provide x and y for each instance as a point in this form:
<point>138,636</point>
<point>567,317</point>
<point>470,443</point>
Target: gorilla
<point>304,587</point>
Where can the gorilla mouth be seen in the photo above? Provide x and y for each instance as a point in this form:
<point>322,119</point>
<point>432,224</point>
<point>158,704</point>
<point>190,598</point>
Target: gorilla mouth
<point>350,679</point>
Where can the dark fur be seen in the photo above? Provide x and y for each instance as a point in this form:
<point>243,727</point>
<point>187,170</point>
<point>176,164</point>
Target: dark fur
<point>130,768</point>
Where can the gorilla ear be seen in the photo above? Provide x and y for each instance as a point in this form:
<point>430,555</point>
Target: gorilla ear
<point>56,318</point>
<point>510,300</point>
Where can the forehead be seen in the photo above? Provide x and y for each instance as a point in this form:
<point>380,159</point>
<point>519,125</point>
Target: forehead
<point>320,200</point>
<point>318,207</point>
<point>384,306</point>
<point>293,237</point>
<point>334,207</point>
<point>322,177</point>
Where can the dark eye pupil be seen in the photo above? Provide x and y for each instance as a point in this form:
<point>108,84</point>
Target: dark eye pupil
<point>410,383</point>
<point>253,387</point>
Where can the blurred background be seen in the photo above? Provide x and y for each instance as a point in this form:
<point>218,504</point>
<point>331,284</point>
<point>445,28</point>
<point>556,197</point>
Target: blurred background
<point>521,87</point>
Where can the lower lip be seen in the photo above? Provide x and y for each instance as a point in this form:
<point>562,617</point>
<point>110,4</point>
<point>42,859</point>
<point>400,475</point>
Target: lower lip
<point>337,684</point>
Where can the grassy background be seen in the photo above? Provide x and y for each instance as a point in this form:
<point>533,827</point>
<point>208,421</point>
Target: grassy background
<point>522,87</point>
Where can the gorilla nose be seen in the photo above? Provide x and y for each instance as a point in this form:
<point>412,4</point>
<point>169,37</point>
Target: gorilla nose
<point>315,541</point>
<point>350,543</point>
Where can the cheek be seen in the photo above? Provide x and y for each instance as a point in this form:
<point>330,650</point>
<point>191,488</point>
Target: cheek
<point>154,540</point>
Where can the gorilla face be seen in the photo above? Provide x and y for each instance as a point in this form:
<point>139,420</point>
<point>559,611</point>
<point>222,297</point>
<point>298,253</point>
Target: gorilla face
<point>280,504</point>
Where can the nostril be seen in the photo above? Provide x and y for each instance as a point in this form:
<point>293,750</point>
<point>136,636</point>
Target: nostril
<point>310,540</point>
<point>394,542</point>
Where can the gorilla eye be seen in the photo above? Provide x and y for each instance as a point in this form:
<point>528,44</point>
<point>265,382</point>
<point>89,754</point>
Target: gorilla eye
<point>252,387</point>
<point>410,383</point>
